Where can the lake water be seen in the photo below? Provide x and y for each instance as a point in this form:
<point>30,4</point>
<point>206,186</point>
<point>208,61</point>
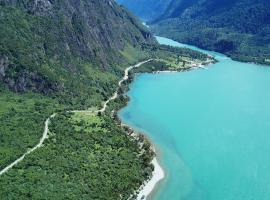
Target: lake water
<point>211,128</point>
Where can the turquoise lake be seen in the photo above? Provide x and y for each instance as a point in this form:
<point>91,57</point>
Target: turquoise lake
<point>211,128</point>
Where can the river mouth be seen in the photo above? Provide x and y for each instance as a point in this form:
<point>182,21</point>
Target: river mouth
<point>211,126</point>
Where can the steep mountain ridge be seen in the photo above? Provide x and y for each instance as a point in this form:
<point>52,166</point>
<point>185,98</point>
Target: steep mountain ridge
<point>62,36</point>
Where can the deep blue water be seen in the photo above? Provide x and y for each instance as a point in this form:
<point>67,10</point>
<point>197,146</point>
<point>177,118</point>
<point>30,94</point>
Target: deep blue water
<point>211,127</point>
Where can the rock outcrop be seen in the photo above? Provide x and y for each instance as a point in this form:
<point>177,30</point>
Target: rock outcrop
<point>39,34</point>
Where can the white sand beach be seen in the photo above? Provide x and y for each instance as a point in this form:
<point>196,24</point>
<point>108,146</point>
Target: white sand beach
<point>158,175</point>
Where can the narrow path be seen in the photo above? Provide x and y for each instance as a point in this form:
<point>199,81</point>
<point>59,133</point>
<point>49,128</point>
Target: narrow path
<point>44,136</point>
<point>47,122</point>
<point>115,95</point>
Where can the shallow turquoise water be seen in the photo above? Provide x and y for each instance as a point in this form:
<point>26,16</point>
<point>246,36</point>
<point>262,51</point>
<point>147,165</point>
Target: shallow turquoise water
<point>212,128</point>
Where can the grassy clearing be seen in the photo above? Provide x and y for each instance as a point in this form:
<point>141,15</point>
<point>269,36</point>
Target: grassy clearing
<point>89,120</point>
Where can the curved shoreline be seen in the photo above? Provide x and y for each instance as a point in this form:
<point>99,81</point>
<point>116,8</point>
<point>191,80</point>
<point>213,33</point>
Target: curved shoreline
<point>157,175</point>
<point>47,122</point>
<point>148,187</point>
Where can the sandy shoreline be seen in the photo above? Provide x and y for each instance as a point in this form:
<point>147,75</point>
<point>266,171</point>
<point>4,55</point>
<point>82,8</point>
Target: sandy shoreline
<point>148,187</point>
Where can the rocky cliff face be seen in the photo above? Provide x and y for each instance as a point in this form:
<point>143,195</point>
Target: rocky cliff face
<point>85,26</point>
<point>4,63</point>
<point>35,33</point>
<point>39,7</point>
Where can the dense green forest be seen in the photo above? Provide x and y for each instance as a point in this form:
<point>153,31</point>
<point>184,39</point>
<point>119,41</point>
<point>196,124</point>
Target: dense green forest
<point>85,157</point>
<point>58,56</point>
<point>22,122</point>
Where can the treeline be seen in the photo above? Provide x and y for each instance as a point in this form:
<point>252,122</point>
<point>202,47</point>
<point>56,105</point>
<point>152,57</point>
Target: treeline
<point>166,51</point>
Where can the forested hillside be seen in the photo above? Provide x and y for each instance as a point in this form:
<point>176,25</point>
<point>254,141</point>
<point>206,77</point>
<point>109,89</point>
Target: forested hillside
<point>45,45</point>
<point>66,55</point>
<point>239,28</point>
<point>59,56</point>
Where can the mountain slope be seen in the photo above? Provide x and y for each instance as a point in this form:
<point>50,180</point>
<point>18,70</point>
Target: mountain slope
<point>58,56</point>
<point>239,28</point>
<point>147,10</point>
<point>65,55</point>
<point>43,42</point>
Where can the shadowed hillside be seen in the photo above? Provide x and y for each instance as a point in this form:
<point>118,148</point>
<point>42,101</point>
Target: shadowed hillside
<point>238,28</point>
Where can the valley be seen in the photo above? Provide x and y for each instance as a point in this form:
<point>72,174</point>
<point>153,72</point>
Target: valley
<point>55,59</point>
<point>95,105</point>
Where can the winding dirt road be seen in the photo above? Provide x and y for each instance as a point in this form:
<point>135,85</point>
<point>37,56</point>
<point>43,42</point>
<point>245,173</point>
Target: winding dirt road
<point>115,95</point>
<point>42,139</point>
<point>47,122</point>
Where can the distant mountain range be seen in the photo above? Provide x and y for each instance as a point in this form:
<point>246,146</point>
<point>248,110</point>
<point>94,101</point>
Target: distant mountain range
<point>147,10</point>
<point>238,28</point>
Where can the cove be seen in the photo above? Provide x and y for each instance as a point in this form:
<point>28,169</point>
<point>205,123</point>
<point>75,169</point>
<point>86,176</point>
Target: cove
<point>211,128</point>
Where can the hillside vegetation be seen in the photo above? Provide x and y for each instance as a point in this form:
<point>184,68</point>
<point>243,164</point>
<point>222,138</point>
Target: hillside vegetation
<point>44,48</point>
<point>85,157</point>
<point>66,55</point>
<point>57,56</point>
